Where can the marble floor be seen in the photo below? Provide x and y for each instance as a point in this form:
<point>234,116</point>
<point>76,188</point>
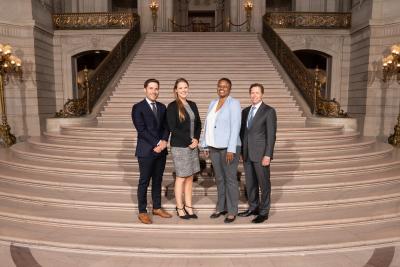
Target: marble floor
<point>13,255</point>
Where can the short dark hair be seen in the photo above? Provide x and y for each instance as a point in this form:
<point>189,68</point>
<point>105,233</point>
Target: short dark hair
<point>226,80</point>
<point>257,85</point>
<point>152,80</point>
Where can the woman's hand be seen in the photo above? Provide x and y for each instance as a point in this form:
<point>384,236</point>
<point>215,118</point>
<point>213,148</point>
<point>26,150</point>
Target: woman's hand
<point>194,143</point>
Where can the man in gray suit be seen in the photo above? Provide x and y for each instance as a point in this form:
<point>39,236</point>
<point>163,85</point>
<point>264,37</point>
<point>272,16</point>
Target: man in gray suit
<point>258,134</point>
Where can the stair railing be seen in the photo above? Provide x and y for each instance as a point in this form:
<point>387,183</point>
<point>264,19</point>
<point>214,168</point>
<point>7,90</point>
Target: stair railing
<point>96,82</point>
<point>308,84</point>
<point>299,74</point>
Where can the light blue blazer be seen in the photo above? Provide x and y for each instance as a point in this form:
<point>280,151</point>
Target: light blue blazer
<point>227,125</point>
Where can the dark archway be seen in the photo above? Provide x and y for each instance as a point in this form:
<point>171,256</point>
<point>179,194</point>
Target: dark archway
<point>312,59</point>
<point>88,59</point>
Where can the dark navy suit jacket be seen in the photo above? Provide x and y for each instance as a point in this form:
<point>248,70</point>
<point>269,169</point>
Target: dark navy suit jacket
<point>150,130</point>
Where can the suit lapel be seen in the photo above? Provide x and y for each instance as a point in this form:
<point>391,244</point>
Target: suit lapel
<point>151,111</point>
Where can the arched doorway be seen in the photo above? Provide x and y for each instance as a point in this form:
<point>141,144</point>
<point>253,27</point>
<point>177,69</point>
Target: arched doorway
<point>313,59</point>
<point>88,59</point>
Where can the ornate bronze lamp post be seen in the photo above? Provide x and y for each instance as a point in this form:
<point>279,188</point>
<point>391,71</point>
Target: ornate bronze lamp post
<point>391,68</point>
<point>248,7</point>
<point>154,8</point>
<point>9,64</point>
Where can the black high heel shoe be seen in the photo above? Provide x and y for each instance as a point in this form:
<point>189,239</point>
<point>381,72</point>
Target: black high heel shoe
<point>191,216</point>
<point>185,217</point>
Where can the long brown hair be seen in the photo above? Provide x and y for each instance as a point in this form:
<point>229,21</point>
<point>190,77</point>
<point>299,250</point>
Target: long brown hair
<point>181,108</point>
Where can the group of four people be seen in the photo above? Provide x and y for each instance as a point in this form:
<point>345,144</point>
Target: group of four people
<point>228,134</point>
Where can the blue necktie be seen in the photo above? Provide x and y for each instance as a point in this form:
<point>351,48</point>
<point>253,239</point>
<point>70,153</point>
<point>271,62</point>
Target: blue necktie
<point>251,116</point>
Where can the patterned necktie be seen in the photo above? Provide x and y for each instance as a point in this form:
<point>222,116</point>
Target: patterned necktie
<point>154,109</point>
<point>251,116</point>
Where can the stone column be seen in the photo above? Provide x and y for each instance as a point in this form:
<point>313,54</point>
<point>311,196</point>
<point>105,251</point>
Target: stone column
<point>376,27</point>
<point>257,16</point>
<point>166,12</point>
<point>146,24</point>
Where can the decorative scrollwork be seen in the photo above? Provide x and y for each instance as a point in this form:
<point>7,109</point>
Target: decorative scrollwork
<point>73,21</point>
<point>309,20</point>
<point>5,134</point>
<point>394,139</point>
<point>73,108</point>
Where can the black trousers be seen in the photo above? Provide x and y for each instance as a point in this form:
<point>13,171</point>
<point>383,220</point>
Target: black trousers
<point>150,168</point>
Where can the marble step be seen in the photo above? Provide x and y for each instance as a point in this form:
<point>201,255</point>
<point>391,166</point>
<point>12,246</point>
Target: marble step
<point>130,78</point>
<point>125,199</point>
<point>25,152</point>
<point>23,159</point>
<point>126,151</point>
<point>197,242</point>
<point>282,105</point>
<point>121,130</point>
<point>203,186</point>
<point>130,138</point>
<point>124,109</point>
<point>299,121</point>
<point>282,219</point>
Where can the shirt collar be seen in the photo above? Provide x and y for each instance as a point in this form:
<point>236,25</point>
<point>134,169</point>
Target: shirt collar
<point>149,101</point>
<point>257,105</point>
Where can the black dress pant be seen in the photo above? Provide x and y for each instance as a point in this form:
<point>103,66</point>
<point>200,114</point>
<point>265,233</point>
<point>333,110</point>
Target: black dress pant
<point>258,178</point>
<point>150,168</point>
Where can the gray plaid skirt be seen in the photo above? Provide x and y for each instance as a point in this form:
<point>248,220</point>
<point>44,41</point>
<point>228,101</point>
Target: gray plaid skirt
<point>186,161</point>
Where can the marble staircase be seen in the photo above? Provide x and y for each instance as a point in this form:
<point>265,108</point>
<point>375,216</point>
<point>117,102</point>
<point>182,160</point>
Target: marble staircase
<point>75,190</point>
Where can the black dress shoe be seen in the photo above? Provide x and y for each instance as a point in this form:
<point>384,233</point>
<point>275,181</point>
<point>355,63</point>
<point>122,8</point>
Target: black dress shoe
<point>217,214</point>
<point>260,219</point>
<point>247,213</point>
<point>229,220</point>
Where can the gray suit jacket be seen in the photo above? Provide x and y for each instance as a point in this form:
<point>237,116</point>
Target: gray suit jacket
<point>259,140</point>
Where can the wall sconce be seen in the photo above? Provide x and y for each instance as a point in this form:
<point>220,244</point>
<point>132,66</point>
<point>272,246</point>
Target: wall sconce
<point>9,64</point>
<point>248,7</point>
<point>391,68</point>
<point>154,8</point>
<point>391,64</point>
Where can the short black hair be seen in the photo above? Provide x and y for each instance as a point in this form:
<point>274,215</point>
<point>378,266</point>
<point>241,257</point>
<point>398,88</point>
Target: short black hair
<point>226,80</point>
<point>257,85</point>
<point>152,80</point>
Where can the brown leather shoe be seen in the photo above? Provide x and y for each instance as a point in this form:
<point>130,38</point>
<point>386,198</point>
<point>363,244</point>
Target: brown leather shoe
<point>162,213</point>
<point>145,218</point>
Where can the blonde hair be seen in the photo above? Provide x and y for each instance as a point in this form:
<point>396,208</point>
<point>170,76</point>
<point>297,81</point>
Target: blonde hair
<point>181,108</point>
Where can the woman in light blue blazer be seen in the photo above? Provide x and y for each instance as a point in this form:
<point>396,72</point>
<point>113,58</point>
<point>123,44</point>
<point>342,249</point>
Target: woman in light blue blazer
<point>221,141</point>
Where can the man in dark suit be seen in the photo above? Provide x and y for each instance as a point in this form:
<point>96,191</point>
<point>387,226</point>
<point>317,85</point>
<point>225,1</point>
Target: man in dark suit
<point>258,134</point>
<point>149,119</point>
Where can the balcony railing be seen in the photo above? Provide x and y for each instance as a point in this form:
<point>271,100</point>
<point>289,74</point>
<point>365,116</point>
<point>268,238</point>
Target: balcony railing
<point>309,20</point>
<point>82,21</point>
